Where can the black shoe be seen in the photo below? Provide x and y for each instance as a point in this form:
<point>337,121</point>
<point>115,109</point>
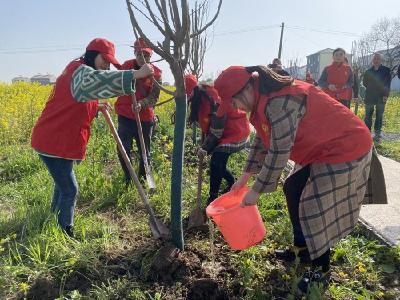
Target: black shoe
<point>289,254</point>
<point>211,198</point>
<point>227,189</point>
<point>313,277</point>
<point>128,182</point>
<point>69,230</point>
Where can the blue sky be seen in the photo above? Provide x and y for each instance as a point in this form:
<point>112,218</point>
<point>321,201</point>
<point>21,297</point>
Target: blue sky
<point>43,36</point>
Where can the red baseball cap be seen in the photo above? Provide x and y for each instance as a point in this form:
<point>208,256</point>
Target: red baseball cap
<point>230,82</point>
<point>140,44</point>
<point>106,49</point>
<point>190,84</point>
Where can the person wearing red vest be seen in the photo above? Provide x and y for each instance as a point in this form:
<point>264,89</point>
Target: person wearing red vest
<point>329,144</point>
<point>310,79</point>
<point>337,79</point>
<point>147,94</point>
<point>62,131</point>
<point>224,135</point>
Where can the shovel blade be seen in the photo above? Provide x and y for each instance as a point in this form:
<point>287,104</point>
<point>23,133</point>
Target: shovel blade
<point>150,181</point>
<point>197,218</point>
<point>159,229</point>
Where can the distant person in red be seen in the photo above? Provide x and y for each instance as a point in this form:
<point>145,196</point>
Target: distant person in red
<point>62,132</point>
<point>147,94</point>
<point>224,134</point>
<point>330,145</point>
<point>337,79</point>
<point>310,79</point>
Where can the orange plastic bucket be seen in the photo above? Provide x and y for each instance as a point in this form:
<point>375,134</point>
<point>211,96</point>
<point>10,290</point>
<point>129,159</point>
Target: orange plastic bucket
<point>241,227</point>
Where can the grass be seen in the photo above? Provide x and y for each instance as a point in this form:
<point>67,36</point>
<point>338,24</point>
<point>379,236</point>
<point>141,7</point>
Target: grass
<point>391,125</point>
<point>111,258</point>
<point>390,149</point>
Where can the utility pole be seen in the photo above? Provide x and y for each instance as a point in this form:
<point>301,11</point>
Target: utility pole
<point>280,42</point>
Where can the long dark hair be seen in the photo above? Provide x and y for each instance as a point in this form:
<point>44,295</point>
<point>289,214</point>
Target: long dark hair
<point>269,80</point>
<point>195,102</point>
<point>89,58</point>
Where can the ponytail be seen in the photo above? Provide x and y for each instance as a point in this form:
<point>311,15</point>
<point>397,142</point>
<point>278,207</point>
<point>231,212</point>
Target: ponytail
<point>269,80</point>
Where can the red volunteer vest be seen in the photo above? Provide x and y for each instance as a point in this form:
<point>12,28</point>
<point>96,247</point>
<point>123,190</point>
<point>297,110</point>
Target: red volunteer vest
<point>63,129</point>
<point>310,80</point>
<point>123,106</point>
<point>328,133</point>
<point>237,127</point>
<point>338,74</point>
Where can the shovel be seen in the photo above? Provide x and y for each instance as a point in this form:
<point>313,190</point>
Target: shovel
<point>197,216</point>
<point>149,175</point>
<point>158,228</point>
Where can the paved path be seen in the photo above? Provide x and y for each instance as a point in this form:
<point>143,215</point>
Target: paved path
<point>384,220</point>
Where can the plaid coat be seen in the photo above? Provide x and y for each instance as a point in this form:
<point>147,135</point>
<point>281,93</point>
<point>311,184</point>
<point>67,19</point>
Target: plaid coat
<point>331,200</point>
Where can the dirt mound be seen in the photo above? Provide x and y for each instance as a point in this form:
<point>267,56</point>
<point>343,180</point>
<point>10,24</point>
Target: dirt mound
<point>42,289</point>
<point>206,288</point>
<point>170,264</point>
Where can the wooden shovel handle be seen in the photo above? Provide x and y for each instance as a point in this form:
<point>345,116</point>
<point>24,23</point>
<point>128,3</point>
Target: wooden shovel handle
<point>199,180</point>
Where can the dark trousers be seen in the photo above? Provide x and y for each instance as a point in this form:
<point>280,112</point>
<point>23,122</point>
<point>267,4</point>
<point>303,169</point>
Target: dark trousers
<point>127,132</point>
<point>218,171</point>
<point>293,188</point>
<point>369,111</point>
<point>65,188</point>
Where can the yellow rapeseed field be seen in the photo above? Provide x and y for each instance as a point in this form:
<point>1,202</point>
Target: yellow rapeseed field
<point>21,104</point>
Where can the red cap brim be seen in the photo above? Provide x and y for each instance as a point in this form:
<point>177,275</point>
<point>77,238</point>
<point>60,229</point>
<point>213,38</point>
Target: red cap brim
<point>147,50</point>
<point>112,60</point>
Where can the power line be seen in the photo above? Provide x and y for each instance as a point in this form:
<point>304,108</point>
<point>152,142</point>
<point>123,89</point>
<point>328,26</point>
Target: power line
<point>327,31</point>
<point>65,48</point>
<point>248,29</point>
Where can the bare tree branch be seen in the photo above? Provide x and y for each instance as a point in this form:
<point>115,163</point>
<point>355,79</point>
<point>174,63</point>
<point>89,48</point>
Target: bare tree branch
<point>153,17</point>
<point>209,23</point>
<point>135,27</point>
<point>175,14</point>
<point>164,16</point>
<point>198,47</point>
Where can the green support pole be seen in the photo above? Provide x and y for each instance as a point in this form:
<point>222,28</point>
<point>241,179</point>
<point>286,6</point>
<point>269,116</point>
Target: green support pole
<point>176,175</point>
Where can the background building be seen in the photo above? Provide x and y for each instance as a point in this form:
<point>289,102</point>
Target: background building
<point>20,78</point>
<point>44,79</point>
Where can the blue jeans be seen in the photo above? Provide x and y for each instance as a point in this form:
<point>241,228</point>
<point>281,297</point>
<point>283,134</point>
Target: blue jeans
<point>369,111</point>
<point>65,188</point>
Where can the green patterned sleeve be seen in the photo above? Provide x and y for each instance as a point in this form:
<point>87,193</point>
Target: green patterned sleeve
<point>89,84</point>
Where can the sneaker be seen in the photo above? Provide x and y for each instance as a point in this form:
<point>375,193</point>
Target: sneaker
<point>312,277</point>
<point>377,138</point>
<point>69,230</point>
<point>289,254</point>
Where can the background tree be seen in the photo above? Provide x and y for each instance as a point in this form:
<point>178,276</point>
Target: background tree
<point>383,37</point>
<point>198,46</point>
<point>386,34</point>
<point>362,51</point>
<point>172,19</point>
<point>293,65</point>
